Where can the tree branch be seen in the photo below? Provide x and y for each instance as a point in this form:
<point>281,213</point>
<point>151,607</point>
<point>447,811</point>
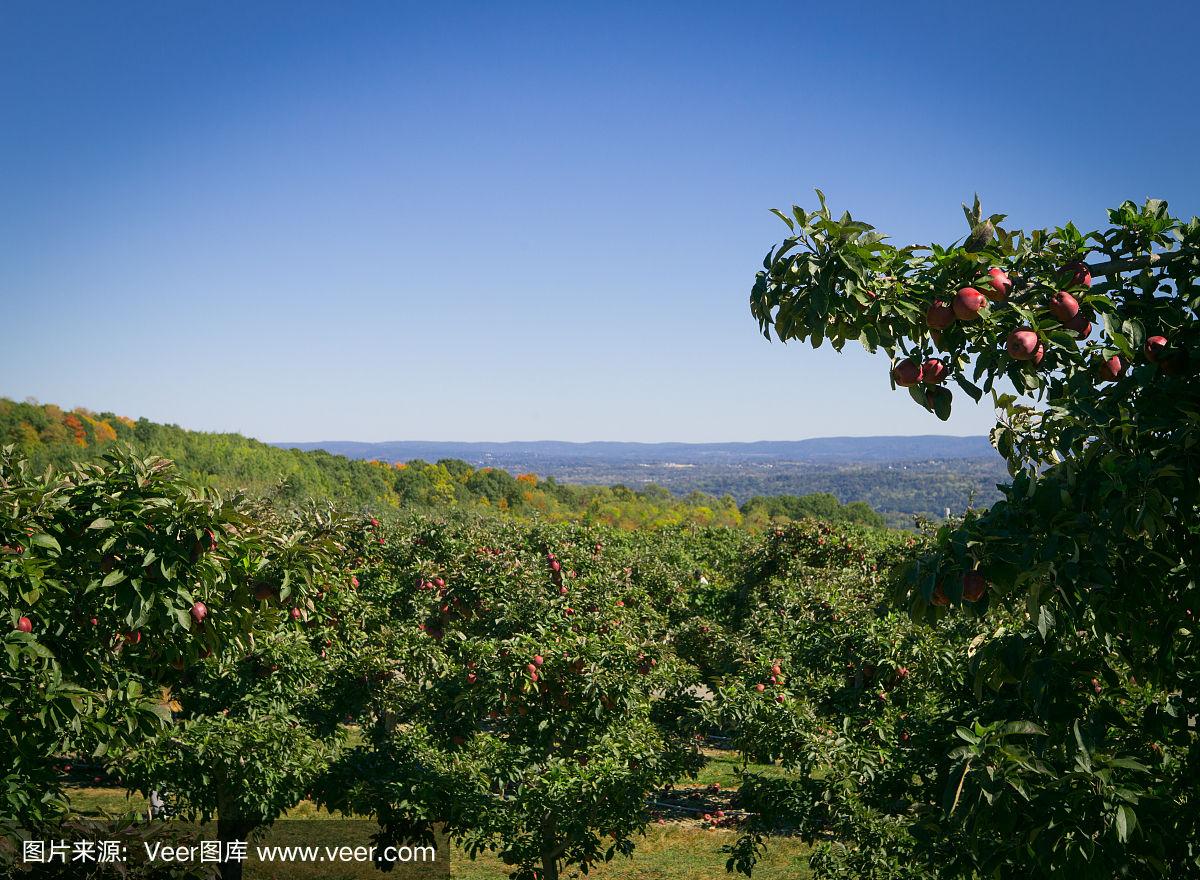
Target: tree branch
<point>1115,267</point>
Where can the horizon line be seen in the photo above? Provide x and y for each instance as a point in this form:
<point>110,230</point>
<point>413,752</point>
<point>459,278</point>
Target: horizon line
<point>646,442</point>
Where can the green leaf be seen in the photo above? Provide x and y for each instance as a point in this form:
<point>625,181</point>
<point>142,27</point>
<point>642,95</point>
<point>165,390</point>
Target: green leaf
<point>47,541</point>
<point>784,217</point>
<point>113,578</point>
<point>973,390</point>
<point>940,400</point>
<point>1022,727</point>
<point>1126,822</point>
<point>1129,764</point>
<point>1134,332</point>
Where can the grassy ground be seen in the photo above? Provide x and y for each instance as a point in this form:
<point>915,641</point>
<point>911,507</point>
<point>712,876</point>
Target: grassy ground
<point>677,851</point>
<point>681,846</point>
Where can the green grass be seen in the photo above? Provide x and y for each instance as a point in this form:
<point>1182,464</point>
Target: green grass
<point>675,851</point>
<point>683,848</point>
<point>96,801</point>
<point>724,767</point>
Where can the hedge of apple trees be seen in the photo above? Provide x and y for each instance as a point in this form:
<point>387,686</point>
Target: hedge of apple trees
<point>1075,749</point>
<point>513,683</point>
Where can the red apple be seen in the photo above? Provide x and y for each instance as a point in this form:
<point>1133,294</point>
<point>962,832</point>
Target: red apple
<point>1079,273</point>
<point>939,596</point>
<point>760,687</point>
<point>24,625</point>
<point>94,621</point>
<point>968,303</point>
<point>907,373</point>
<point>1111,369</point>
<point>1022,344</point>
<point>780,698</point>
<point>472,678</point>
<point>199,612</point>
<point>1156,346</point>
<point>354,582</point>
<point>1000,284</point>
<point>973,586</point>
<point>1080,324</point>
<point>295,612</point>
<point>1038,354</point>
<point>776,669</point>
<point>939,316</point>
<point>1064,306</point>
<point>538,660</point>
<point>933,372</point>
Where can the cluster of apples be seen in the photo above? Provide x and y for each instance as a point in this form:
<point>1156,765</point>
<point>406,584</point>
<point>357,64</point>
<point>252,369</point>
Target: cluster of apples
<point>911,371</point>
<point>775,678</point>
<point>974,586</point>
<point>1023,344</point>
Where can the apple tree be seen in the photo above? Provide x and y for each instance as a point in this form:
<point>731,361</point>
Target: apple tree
<point>257,725</point>
<point>524,703</point>
<point>1087,343</point>
<point>115,578</point>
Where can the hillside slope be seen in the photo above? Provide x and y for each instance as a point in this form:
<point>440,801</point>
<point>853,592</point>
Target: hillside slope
<point>49,435</point>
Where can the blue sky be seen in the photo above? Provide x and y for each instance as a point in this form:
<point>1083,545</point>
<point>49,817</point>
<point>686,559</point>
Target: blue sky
<point>309,221</point>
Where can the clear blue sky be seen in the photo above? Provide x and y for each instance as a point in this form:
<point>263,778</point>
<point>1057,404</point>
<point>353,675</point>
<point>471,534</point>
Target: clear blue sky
<point>506,221</point>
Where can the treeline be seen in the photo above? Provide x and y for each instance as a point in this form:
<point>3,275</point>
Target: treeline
<point>48,435</point>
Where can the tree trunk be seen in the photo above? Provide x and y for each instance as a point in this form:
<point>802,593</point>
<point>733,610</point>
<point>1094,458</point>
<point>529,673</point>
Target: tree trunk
<point>231,826</point>
<point>229,830</point>
<point>551,848</point>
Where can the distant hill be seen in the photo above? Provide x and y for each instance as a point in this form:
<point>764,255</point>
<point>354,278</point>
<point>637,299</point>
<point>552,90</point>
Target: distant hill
<point>531,454</point>
<point>896,475</point>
